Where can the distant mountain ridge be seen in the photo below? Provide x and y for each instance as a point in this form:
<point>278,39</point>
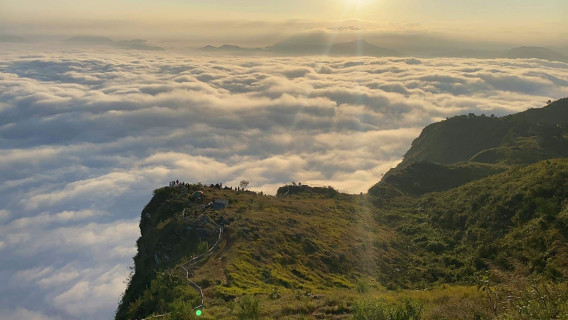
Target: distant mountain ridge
<point>90,40</point>
<point>317,44</point>
<point>323,44</point>
<point>537,53</point>
<point>327,47</point>
<point>233,49</point>
<point>12,39</point>
<point>135,44</point>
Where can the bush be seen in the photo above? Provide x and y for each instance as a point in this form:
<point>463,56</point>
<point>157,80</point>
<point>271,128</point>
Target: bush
<point>180,310</point>
<point>202,247</point>
<point>380,310</point>
<point>371,311</point>
<point>408,310</point>
<point>361,286</point>
<point>249,309</point>
<point>540,301</point>
<point>156,298</point>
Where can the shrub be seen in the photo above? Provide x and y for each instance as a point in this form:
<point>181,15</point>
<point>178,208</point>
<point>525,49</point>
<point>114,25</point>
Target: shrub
<point>361,286</point>
<point>407,310</point>
<point>249,309</point>
<point>180,310</point>
<point>540,301</point>
<point>370,311</point>
<point>379,310</point>
<point>202,247</point>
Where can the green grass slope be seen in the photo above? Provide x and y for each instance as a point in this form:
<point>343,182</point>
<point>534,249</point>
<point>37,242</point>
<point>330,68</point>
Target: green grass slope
<point>309,256</point>
<point>516,221</point>
<point>455,232</point>
<point>422,177</point>
<point>462,137</point>
<point>297,245</point>
<point>464,148</point>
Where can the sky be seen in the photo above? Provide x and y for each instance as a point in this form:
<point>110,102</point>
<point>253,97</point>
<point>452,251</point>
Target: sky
<point>87,133</point>
<point>260,22</point>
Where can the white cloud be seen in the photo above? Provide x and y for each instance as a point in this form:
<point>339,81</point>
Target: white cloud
<point>86,137</point>
<point>33,235</point>
<point>78,215</point>
<point>32,274</point>
<point>87,297</point>
<point>101,187</point>
<point>4,214</point>
<point>62,276</point>
<point>21,313</point>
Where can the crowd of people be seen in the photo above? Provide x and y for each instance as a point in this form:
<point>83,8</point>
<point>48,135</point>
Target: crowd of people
<point>179,183</point>
<point>218,186</point>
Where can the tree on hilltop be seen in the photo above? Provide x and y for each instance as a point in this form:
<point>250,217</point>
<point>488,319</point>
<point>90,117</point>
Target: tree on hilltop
<point>244,184</point>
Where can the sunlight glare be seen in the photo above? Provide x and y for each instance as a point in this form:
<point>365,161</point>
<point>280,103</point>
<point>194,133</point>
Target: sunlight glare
<point>356,7</point>
<point>359,2</point>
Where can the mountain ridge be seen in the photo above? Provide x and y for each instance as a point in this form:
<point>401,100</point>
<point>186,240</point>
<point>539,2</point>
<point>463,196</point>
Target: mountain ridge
<point>323,44</point>
<point>468,147</point>
<point>528,52</point>
<point>134,44</point>
<point>318,47</point>
<point>425,238</point>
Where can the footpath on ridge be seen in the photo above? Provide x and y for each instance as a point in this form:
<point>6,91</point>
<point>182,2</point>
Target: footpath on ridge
<point>189,267</point>
<point>192,264</point>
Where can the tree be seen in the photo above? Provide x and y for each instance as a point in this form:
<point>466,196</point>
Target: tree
<point>244,184</point>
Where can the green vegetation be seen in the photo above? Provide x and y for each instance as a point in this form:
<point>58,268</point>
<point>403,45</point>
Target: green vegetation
<point>465,148</point>
<point>513,221</point>
<point>180,310</point>
<point>248,309</point>
<point>533,135</point>
<point>379,310</point>
<point>470,230</point>
<point>166,293</point>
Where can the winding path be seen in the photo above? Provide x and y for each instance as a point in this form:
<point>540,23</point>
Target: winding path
<point>190,265</point>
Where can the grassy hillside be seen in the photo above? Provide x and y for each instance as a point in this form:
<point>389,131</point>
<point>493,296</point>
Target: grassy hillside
<point>461,138</point>
<point>481,233</point>
<point>293,245</point>
<point>422,177</point>
<point>464,148</point>
<point>516,221</point>
<point>302,255</point>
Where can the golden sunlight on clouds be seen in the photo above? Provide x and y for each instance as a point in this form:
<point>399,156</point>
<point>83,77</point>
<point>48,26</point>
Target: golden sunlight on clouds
<point>262,23</point>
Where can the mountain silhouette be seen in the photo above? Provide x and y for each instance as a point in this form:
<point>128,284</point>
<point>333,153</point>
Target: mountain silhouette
<point>537,53</point>
<point>90,40</point>
<point>317,43</point>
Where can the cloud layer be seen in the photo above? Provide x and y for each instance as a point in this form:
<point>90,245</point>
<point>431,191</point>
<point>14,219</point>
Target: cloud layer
<point>86,136</point>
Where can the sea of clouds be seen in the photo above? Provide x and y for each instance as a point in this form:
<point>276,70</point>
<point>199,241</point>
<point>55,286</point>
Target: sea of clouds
<point>86,136</point>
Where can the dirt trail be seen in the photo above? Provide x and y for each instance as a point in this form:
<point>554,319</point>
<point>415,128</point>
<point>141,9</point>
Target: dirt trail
<point>192,264</point>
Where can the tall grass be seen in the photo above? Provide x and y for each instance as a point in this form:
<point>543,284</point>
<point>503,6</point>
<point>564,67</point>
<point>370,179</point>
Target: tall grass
<point>380,310</point>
